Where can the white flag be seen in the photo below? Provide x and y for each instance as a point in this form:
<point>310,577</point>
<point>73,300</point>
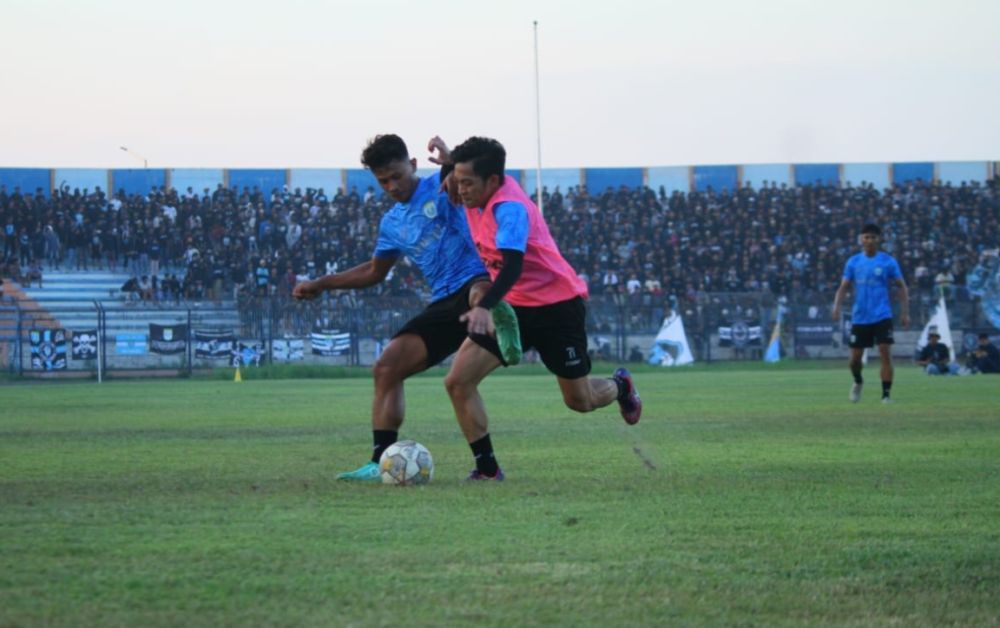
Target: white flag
<point>670,348</point>
<point>939,323</point>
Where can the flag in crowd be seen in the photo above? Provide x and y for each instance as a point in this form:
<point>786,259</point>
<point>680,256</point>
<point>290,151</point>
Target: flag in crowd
<point>773,353</point>
<point>48,349</point>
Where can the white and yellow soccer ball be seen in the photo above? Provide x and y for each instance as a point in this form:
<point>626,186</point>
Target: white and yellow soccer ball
<point>406,462</point>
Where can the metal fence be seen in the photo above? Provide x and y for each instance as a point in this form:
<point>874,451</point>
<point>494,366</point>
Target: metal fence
<point>98,340</point>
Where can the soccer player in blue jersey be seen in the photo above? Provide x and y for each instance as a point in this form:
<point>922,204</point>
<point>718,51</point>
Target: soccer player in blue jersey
<point>872,273</point>
<point>432,232</point>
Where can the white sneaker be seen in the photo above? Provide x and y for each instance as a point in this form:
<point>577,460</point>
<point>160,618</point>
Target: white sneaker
<point>855,395</point>
<point>886,400</point>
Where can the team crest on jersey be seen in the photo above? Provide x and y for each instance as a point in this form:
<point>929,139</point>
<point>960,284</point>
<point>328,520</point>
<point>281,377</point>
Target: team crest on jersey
<point>878,270</point>
<point>430,209</point>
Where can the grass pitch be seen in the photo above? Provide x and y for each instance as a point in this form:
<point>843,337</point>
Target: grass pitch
<point>743,497</point>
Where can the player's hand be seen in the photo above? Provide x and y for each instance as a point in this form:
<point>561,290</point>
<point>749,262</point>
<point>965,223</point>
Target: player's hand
<point>478,321</point>
<point>904,319</point>
<point>305,290</point>
<point>836,314</point>
<point>443,152</point>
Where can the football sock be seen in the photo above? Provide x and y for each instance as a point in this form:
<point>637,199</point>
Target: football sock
<point>382,440</point>
<point>622,391</point>
<point>885,388</point>
<point>856,372</point>
<point>482,450</point>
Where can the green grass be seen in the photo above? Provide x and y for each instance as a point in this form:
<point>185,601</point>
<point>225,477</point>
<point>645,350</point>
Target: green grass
<point>773,501</point>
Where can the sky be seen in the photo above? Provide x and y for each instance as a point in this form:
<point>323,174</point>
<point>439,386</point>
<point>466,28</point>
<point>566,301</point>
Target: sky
<point>296,83</point>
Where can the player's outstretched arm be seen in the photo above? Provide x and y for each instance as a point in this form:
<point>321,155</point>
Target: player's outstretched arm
<point>361,276</point>
<point>443,156</point>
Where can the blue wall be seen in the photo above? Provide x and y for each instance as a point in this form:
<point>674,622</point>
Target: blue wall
<point>877,174</point>
<point>600,179</point>
<point>330,179</point>
<point>757,174</point>
<point>262,178</point>
<point>359,179</point>
<point>718,178</point>
<point>28,179</point>
<point>196,178</point>
<point>955,172</point>
<point>811,174</point>
<point>83,179</point>
<point>670,178</point>
<point>552,178</point>
<point>137,181</point>
<point>912,171</point>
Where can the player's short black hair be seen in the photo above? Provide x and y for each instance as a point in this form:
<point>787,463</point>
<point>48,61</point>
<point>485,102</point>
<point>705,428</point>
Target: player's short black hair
<point>487,156</point>
<point>383,150</point>
<point>984,336</point>
<point>871,228</point>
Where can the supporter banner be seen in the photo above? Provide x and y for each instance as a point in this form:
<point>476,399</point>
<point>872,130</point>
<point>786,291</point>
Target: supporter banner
<point>670,347</point>
<point>288,350</point>
<point>48,349</point>
<point>815,334</point>
<point>739,335</point>
<point>84,345</point>
<point>167,339</point>
<point>247,353</point>
<point>330,342</point>
<point>130,344</point>
<point>214,345</point>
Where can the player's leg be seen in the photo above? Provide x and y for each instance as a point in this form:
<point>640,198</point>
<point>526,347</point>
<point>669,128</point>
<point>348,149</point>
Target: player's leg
<point>856,365</point>
<point>471,365</point>
<point>405,355</point>
<point>884,338</point>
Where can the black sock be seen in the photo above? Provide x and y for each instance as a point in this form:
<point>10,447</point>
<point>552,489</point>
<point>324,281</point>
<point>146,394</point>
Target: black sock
<point>382,440</point>
<point>886,385</point>
<point>482,450</point>
<point>622,389</point>
<point>856,372</point>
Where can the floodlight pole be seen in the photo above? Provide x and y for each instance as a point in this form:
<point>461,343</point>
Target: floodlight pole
<point>145,164</point>
<point>538,128</point>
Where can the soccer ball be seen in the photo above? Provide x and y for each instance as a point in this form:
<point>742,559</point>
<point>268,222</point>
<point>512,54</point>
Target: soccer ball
<point>406,462</point>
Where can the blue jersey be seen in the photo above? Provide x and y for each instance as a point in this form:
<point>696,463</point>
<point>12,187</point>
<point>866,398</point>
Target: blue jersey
<point>433,233</point>
<point>872,277</point>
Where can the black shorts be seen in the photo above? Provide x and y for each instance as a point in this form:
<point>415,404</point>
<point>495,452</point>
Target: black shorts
<point>438,325</point>
<point>865,336</point>
<point>558,332</point>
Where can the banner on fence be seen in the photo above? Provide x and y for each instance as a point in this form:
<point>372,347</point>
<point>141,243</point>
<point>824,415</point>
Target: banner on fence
<point>48,349</point>
<point>739,335</point>
<point>288,349</point>
<point>247,353</point>
<point>329,342</point>
<point>167,339</point>
<point>84,346</point>
<point>815,334</point>
<point>130,344</point>
<point>214,345</point>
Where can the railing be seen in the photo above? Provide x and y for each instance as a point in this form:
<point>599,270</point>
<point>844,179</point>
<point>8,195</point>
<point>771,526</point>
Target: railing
<point>351,329</point>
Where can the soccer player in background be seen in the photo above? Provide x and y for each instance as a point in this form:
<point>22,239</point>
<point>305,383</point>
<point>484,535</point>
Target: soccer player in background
<point>528,272</point>
<point>424,226</point>
<point>872,272</point>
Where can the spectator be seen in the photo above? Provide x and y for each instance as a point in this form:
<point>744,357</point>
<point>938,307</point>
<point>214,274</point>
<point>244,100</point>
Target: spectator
<point>986,357</point>
<point>935,357</point>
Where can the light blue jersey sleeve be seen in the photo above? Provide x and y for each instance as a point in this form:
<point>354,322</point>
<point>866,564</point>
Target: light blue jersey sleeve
<point>512,226</point>
<point>894,271</point>
<point>387,244</point>
<point>849,269</point>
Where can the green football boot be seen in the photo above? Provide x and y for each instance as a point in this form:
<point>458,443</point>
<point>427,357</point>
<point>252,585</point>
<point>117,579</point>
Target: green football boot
<point>508,332</point>
<point>368,472</point>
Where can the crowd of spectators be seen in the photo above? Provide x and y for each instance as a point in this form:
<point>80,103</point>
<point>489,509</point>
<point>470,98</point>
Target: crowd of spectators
<point>641,245</point>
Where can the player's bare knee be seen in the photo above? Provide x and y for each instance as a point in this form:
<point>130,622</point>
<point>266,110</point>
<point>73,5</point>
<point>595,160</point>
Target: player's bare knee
<point>456,386</point>
<point>384,372</point>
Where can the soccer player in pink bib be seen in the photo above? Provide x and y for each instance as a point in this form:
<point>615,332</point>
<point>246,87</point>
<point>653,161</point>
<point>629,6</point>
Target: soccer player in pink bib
<point>529,273</point>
